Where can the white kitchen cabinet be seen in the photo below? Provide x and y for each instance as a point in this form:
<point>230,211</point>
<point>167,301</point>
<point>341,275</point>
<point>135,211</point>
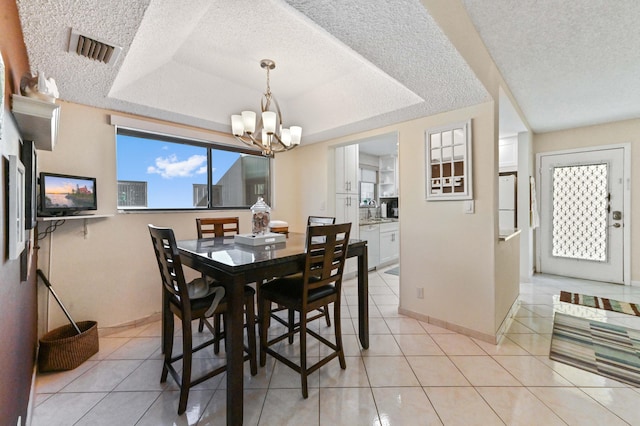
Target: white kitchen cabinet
<point>347,210</point>
<point>347,198</point>
<point>347,169</point>
<point>508,154</point>
<point>371,233</point>
<point>389,243</point>
<point>388,176</point>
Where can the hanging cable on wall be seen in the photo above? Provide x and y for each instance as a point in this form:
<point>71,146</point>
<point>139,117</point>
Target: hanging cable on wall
<point>52,227</point>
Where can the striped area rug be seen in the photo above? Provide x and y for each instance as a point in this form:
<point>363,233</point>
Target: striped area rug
<point>605,349</point>
<point>600,303</point>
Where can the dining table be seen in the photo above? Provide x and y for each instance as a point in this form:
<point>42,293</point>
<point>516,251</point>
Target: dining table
<point>235,264</point>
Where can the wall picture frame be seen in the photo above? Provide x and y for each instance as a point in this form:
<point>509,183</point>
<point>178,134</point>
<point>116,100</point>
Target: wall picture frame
<point>29,160</point>
<point>16,226</point>
<point>448,171</point>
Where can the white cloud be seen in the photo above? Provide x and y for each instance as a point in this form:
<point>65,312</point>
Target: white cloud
<point>170,167</point>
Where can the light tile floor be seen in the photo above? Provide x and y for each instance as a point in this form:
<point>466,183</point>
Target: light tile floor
<point>413,374</point>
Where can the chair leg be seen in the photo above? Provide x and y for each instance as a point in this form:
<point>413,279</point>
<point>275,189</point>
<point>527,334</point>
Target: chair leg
<point>265,309</point>
<point>291,320</point>
<point>338,333</point>
<point>200,325</point>
<point>303,354</point>
<point>217,334</point>
<point>187,345</point>
<point>251,334</point>
<point>326,315</point>
<point>167,341</point>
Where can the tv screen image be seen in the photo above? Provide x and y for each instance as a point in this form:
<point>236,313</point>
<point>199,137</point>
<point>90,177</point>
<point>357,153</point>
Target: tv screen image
<point>66,194</point>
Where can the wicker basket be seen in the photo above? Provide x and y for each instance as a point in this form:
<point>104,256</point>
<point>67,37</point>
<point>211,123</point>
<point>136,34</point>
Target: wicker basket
<point>64,349</point>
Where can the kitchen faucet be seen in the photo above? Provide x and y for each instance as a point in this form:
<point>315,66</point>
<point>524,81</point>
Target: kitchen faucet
<point>372,203</point>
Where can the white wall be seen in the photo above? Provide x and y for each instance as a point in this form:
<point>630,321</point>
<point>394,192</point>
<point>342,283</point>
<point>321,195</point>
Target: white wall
<point>110,274</point>
<point>444,250</point>
<point>525,170</point>
<point>447,252</point>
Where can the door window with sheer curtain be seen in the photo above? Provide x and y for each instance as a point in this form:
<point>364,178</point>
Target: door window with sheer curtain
<point>156,172</point>
<point>579,214</point>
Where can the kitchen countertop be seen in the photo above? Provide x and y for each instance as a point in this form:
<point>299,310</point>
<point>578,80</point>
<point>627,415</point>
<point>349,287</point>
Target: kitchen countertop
<point>365,222</point>
<point>507,234</point>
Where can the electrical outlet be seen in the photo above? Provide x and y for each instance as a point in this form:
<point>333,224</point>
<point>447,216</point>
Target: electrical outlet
<point>420,292</point>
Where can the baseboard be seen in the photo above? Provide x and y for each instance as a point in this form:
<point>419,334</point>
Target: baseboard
<point>506,323</point>
<point>106,331</point>
<point>32,392</point>
<point>449,326</point>
<point>635,283</point>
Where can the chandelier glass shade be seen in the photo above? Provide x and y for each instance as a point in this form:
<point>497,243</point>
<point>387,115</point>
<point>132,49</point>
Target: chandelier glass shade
<point>268,135</point>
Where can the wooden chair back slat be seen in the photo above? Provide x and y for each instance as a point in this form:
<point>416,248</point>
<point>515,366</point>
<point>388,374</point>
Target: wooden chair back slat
<point>217,226</point>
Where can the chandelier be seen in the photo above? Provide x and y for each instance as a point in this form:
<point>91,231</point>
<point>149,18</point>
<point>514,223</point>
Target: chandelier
<point>268,135</point>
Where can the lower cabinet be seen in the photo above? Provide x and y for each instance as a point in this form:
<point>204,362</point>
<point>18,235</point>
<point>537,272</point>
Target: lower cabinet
<point>383,243</point>
<point>389,243</point>
<point>371,233</point>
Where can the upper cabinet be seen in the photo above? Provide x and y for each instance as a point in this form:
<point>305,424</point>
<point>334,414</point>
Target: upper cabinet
<point>508,154</point>
<point>37,120</point>
<point>388,176</point>
<point>347,169</point>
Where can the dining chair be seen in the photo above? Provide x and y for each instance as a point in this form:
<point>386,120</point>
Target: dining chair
<point>216,227</point>
<point>321,220</point>
<point>322,311</point>
<point>190,301</point>
<point>319,285</point>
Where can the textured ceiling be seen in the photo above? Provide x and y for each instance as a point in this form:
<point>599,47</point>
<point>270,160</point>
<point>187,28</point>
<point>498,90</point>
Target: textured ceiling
<point>567,63</point>
<point>341,66</point>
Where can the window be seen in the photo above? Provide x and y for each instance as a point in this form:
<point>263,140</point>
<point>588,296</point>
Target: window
<point>160,172</point>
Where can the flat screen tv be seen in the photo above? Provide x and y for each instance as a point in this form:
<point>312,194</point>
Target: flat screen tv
<point>64,195</point>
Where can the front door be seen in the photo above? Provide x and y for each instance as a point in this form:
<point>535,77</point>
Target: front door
<point>582,214</point>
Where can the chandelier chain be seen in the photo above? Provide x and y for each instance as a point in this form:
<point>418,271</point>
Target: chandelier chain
<point>268,85</point>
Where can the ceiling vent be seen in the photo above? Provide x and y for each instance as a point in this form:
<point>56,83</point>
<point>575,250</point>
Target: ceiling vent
<point>92,48</point>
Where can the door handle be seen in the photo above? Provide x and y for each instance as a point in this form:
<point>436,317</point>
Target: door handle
<point>616,225</point>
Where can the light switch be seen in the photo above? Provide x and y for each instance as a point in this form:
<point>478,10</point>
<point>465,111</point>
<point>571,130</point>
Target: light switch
<point>469,206</point>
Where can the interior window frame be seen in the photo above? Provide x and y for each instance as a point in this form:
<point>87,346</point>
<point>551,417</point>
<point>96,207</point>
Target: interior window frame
<point>210,147</point>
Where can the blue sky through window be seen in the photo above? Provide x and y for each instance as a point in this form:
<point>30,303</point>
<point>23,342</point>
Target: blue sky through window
<point>170,169</point>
